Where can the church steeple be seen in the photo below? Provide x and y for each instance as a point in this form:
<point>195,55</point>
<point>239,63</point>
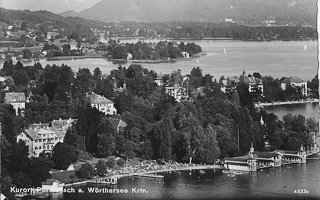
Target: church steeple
<point>244,72</point>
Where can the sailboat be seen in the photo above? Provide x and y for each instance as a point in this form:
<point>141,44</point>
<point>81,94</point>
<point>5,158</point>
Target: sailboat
<point>224,51</point>
<point>198,60</point>
<point>305,47</point>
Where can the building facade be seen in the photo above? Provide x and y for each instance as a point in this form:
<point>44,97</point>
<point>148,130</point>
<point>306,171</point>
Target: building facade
<point>102,104</point>
<point>41,137</point>
<point>17,100</point>
<point>295,82</point>
<point>177,92</point>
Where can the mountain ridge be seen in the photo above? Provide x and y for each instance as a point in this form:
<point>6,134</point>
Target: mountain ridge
<point>246,12</point>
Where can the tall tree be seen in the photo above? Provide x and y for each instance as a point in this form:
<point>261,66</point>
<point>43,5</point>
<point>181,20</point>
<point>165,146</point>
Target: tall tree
<point>63,155</point>
<point>106,135</point>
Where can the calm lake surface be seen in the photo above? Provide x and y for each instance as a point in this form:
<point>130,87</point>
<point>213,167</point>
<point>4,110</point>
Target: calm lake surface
<point>277,59</point>
<point>309,110</point>
<point>267,184</point>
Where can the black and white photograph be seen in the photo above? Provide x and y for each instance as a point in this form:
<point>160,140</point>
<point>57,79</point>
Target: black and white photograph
<point>159,99</point>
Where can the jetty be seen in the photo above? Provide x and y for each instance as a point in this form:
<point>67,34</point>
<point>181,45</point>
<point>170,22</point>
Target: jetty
<point>148,175</point>
<point>110,180</point>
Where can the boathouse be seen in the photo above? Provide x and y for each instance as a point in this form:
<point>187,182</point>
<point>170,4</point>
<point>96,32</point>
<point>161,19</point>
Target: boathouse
<point>267,159</point>
<point>242,163</point>
<point>289,157</point>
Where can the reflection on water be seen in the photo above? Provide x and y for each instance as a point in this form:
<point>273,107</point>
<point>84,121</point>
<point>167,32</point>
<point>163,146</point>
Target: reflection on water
<point>309,110</point>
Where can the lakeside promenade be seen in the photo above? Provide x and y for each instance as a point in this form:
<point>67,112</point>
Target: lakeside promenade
<point>259,105</point>
<point>150,168</point>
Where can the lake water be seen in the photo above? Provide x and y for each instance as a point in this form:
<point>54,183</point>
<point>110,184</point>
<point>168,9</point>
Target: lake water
<point>277,59</point>
<point>309,110</point>
<point>267,184</point>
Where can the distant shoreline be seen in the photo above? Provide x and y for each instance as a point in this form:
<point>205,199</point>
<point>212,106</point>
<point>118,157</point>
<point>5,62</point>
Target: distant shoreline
<point>72,57</point>
<point>258,105</point>
<point>210,38</point>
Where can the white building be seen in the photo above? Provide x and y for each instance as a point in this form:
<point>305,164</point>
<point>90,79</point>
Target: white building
<point>178,92</point>
<point>17,100</point>
<point>185,54</point>
<point>40,137</point>
<point>102,104</point>
<point>295,81</point>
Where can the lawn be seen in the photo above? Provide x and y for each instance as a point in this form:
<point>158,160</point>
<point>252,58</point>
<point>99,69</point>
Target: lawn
<point>69,176</point>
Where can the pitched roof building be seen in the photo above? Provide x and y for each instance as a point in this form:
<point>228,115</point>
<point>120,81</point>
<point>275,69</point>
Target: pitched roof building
<point>102,104</point>
<point>295,81</point>
<point>17,100</point>
<point>44,136</point>
<point>118,124</point>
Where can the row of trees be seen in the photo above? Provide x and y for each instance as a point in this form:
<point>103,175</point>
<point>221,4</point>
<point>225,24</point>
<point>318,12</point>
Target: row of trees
<point>200,30</point>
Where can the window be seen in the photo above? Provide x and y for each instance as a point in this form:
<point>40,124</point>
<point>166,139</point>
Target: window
<point>36,148</point>
<point>44,147</point>
<point>39,147</point>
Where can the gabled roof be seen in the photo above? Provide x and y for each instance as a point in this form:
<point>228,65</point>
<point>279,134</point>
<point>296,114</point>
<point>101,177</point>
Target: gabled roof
<point>32,134</point>
<point>62,124</point>
<point>265,154</point>
<point>56,131</point>
<point>14,97</point>
<point>49,182</point>
<point>34,130</point>
<point>98,99</point>
<point>238,159</point>
<point>293,79</point>
<point>116,123</point>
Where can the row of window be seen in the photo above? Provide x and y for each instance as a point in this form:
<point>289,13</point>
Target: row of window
<point>44,147</point>
<point>49,140</point>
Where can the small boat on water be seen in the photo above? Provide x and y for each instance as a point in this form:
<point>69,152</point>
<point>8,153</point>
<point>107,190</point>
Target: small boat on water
<point>237,173</point>
<point>225,171</point>
<point>305,47</point>
<point>231,175</point>
<point>202,172</point>
<point>204,53</point>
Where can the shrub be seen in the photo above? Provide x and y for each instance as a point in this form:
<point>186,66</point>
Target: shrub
<point>121,162</point>
<point>110,163</point>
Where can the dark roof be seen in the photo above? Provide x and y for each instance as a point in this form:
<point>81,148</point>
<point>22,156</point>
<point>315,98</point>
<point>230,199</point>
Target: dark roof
<point>32,134</point>
<point>49,182</point>
<point>265,154</point>
<point>238,159</point>
<point>293,79</point>
<point>117,123</point>
<point>286,152</point>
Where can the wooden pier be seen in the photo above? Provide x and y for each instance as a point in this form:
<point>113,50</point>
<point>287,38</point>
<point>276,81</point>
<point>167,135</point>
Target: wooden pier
<point>148,175</point>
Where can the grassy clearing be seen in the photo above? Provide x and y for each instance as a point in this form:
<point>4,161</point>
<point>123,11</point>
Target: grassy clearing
<point>69,176</point>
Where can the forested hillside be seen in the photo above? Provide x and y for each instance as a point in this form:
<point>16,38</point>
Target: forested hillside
<point>247,12</point>
<point>42,19</point>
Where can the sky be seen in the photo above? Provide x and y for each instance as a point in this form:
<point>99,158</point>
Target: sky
<point>55,6</point>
